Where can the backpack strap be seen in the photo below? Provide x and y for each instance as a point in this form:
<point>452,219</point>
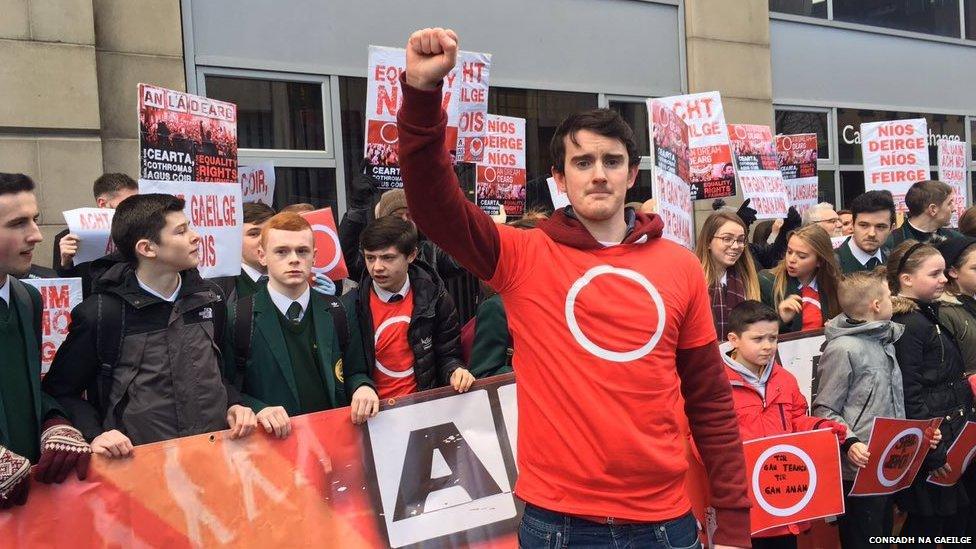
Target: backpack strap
<point>243,331</point>
<point>339,321</point>
<point>109,333</point>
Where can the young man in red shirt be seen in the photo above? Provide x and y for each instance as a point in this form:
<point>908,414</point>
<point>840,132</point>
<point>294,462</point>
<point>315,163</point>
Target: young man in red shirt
<point>598,439</point>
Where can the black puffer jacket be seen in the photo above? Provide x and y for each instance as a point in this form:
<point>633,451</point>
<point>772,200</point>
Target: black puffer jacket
<point>434,332</point>
<point>935,386</point>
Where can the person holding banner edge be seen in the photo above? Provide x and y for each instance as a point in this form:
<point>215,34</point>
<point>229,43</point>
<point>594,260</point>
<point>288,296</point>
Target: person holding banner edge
<point>933,379</point>
<point>33,428</point>
<point>618,476</point>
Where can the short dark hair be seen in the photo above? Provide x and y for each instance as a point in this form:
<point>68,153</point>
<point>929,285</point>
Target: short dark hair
<point>389,231</point>
<point>967,222</point>
<point>257,213</point>
<point>874,201</point>
<point>749,312</point>
<point>603,122</point>
<point>141,216</point>
<point>111,183</point>
<point>13,183</point>
<point>923,193</point>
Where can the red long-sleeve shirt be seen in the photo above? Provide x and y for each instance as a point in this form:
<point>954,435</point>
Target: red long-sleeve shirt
<point>604,339</point>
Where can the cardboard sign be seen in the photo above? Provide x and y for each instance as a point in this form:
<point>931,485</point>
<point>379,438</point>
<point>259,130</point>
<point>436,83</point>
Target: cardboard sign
<point>328,250</point>
<point>500,181</point>
<point>752,147</point>
<point>793,478</point>
<point>767,191</point>
<point>214,211</point>
<point>59,297</point>
<point>960,456</point>
<point>712,172</point>
<point>952,170</point>
<point>559,199</point>
<point>798,164</point>
<point>896,155</point>
<point>473,105</point>
<point>94,229</point>
<point>897,448</point>
<point>186,137</point>
<point>669,134</point>
<point>257,183</point>
<point>799,353</point>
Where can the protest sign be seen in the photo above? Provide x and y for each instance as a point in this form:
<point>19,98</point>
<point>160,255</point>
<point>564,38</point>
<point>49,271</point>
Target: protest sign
<point>58,296</point>
<point>500,182</point>
<point>896,155</point>
<point>960,456</point>
<point>669,134</point>
<point>712,173</point>
<point>94,229</point>
<point>793,478</point>
<point>257,183</point>
<point>185,137</point>
<point>798,165</point>
<point>214,211</point>
<point>328,250</point>
<point>473,105</point>
<point>952,170</point>
<point>897,448</point>
<point>767,191</point>
<point>752,147</point>
<point>837,241</point>
<point>559,199</point>
<point>799,354</point>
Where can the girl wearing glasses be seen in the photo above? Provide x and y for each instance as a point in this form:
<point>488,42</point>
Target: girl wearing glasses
<point>803,286</point>
<point>729,268</point>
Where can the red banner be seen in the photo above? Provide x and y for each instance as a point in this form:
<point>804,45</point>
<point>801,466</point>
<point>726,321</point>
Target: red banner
<point>897,449</point>
<point>960,456</point>
<point>793,478</point>
<point>328,251</point>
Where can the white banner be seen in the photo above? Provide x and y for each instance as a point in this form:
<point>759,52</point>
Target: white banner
<point>59,297</point>
<point>559,199</point>
<point>801,357</point>
<point>798,164</point>
<point>500,176</point>
<point>952,170</point>
<point>94,229</point>
<point>214,211</point>
<point>257,183</point>
<point>896,155</point>
<point>669,135</point>
<point>473,105</point>
<point>768,192</point>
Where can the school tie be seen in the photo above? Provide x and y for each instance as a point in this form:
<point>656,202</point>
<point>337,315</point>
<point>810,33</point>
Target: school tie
<point>294,312</point>
<point>396,298</point>
<point>263,279</point>
<point>4,309</point>
<point>873,262</point>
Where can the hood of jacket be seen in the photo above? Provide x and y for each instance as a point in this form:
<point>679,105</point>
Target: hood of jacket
<point>949,300</point>
<point>884,331</point>
<point>565,228</point>
<point>901,305</point>
<point>112,274</point>
<point>739,372</point>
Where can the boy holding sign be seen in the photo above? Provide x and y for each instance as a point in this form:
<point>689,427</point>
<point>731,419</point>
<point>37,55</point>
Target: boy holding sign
<point>767,398</point>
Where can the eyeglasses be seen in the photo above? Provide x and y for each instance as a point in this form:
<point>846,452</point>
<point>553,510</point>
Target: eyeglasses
<point>832,220</point>
<point>729,240</point>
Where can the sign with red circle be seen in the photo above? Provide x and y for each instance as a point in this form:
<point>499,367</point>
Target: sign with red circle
<point>897,448</point>
<point>328,251</point>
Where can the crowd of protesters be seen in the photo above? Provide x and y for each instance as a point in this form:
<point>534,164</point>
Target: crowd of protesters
<point>156,352</point>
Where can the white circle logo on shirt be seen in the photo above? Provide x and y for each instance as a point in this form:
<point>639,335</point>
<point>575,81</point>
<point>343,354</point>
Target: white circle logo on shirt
<point>919,437</point>
<point>586,342</point>
<point>376,337</point>
<point>811,486</point>
<point>318,228</point>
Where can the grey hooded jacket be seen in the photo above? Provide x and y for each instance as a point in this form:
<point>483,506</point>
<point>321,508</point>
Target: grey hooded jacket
<point>859,378</point>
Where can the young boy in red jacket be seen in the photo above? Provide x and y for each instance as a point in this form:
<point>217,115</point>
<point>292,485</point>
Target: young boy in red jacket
<point>767,398</point>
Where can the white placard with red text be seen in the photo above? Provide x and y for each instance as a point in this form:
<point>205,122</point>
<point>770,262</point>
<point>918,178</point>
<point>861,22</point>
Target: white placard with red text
<point>896,155</point>
<point>559,199</point>
<point>328,250</point>
<point>768,192</point>
<point>94,229</point>
<point>952,170</point>
<point>798,164</point>
<point>214,211</point>
<point>59,297</point>
<point>257,183</point>
<point>472,105</point>
<point>669,135</point>
<point>500,182</point>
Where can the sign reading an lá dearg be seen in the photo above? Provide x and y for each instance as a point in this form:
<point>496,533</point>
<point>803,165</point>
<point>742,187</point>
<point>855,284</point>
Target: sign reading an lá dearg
<point>185,137</point>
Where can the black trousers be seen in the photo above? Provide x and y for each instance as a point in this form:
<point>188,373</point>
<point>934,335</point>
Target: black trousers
<point>864,517</point>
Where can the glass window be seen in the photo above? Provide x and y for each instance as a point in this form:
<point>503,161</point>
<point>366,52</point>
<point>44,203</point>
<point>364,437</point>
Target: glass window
<point>636,115</point>
<point>641,191</point>
<point>825,187</point>
<point>272,114</point>
<point>810,8</point>
<point>316,186</point>
<point>849,122</point>
<point>542,110</point>
<point>352,111</point>
<point>972,136</point>
<point>929,16</point>
<point>790,122</point>
<point>851,186</point>
<point>969,16</point>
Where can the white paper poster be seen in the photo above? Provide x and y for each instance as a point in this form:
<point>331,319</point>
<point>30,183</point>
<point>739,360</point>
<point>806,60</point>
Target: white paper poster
<point>952,170</point>
<point>93,227</point>
<point>257,183</point>
<point>896,156</point>
<point>59,297</point>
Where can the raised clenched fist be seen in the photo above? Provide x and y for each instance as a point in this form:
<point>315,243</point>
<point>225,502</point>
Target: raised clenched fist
<point>431,55</point>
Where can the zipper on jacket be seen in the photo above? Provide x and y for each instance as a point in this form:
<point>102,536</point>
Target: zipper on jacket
<point>938,333</point>
<point>782,416</point>
<point>865,407</point>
